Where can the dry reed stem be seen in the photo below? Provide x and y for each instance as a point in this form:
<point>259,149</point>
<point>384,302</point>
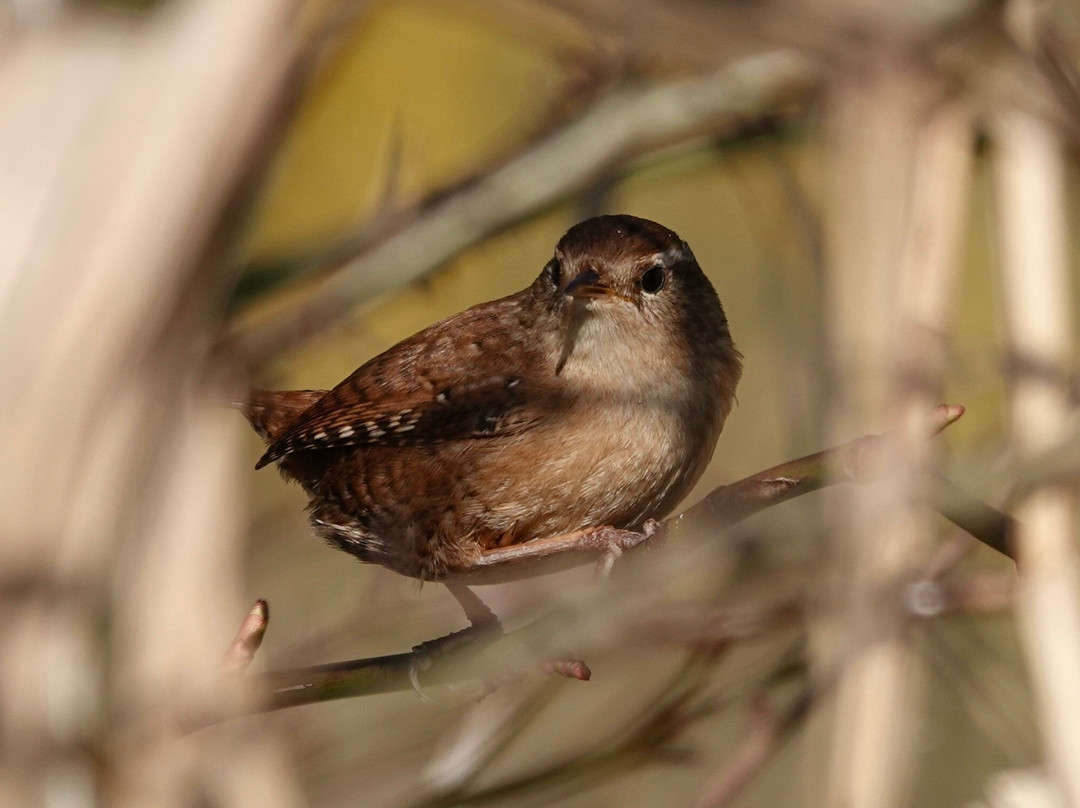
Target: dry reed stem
<point>1029,176</point>
<point>902,180</point>
<point>120,141</point>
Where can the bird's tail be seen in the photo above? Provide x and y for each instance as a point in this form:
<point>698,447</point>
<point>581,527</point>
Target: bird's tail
<point>270,411</point>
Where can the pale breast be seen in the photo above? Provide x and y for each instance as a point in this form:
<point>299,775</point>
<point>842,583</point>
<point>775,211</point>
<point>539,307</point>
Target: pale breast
<point>605,463</point>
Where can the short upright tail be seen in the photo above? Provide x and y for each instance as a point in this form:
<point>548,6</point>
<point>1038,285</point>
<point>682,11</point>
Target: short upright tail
<point>270,411</point>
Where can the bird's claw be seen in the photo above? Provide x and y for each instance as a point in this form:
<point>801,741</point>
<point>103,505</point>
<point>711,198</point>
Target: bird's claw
<point>612,542</point>
<point>424,655</point>
<point>655,533</point>
<point>422,658</point>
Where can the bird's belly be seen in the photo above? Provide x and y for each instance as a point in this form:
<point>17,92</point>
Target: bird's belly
<point>424,511</point>
<point>621,470</point>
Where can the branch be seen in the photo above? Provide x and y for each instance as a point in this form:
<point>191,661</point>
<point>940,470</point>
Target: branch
<point>469,654</point>
<point>448,659</point>
<point>859,461</point>
<point>618,129</point>
<point>460,656</point>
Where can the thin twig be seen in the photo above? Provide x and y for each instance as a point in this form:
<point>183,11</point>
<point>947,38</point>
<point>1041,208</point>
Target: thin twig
<point>768,730</point>
<point>484,734</point>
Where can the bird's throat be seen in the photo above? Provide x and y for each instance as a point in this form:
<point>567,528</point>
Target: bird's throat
<point>576,315</point>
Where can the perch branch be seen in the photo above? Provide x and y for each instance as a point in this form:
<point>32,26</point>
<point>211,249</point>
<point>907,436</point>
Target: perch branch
<point>455,657</point>
<point>449,659</point>
<point>858,460</point>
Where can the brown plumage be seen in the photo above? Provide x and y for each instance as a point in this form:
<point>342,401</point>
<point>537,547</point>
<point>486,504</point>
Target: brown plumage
<point>593,397</point>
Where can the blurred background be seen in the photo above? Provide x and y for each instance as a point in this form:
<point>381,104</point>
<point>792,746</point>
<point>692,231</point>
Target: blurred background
<point>201,197</point>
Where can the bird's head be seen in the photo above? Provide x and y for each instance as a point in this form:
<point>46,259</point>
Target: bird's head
<point>629,294</point>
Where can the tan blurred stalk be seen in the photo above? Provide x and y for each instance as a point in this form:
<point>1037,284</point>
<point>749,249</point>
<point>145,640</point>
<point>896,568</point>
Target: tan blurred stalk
<point>121,140</point>
<point>1031,204</point>
<point>901,170</point>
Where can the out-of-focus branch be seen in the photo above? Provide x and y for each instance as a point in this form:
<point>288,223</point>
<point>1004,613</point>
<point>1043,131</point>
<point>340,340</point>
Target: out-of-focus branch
<point>648,736</point>
<point>925,599</point>
<point>616,130</point>
<point>1057,463</point>
<point>993,528</point>
<point>484,734</point>
<point>768,729</point>
<point>985,593</point>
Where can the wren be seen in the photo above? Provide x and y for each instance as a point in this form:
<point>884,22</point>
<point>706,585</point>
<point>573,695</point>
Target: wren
<point>592,398</point>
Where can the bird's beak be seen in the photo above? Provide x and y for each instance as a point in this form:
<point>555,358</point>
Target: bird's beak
<point>587,285</point>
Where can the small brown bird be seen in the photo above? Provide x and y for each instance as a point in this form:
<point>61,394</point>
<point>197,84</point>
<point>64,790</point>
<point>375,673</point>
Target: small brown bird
<point>592,398</point>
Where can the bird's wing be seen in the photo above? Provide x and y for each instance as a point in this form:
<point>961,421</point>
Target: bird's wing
<point>427,389</point>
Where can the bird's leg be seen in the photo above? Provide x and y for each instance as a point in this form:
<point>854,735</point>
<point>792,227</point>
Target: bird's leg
<point>479,613</point>
<point>482,623</point>
<point>615,542</point>
<point>482,618</point>
<point>601,545</point>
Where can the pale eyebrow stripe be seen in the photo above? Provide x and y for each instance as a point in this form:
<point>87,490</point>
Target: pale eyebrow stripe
<point>668,256</point>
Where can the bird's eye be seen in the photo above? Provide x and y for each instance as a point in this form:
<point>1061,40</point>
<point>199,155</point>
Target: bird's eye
<point>653,280</point>
<point>555,271</point>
